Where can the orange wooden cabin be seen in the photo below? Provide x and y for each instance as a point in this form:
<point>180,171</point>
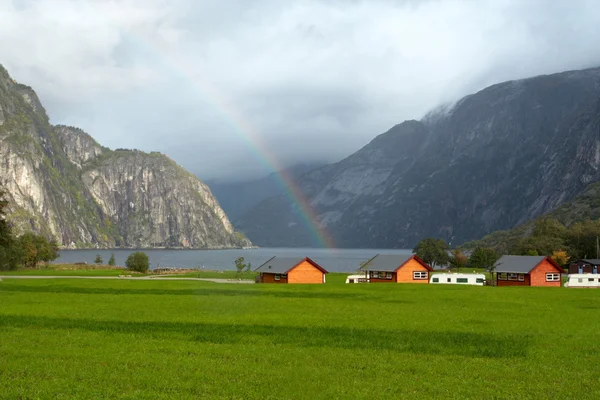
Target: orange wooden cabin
<point>528,271</point>
<point>291,270</point>
<point>403,268</point>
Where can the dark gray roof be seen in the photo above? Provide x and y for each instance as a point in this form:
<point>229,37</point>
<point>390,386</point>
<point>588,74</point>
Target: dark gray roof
<point>518,264</point>
<point>386,262</point>
<point>594,261</point>
<point>281,265</point>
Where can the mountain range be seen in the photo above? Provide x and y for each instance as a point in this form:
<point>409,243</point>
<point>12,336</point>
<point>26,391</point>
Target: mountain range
<point>493,160</point>
<point>65,185</point>
<point>238,197</point>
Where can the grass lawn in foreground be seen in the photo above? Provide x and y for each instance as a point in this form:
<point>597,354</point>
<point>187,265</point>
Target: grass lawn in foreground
<point>188,339</point>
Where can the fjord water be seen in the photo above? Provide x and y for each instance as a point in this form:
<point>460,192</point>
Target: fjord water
<point>334,260</point>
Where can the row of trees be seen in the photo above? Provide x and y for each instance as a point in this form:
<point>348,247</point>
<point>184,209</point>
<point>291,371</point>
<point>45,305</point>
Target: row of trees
<point>436,253</point>
<point>28,249</point>
<point>111,261</point>
<point>549,237</point>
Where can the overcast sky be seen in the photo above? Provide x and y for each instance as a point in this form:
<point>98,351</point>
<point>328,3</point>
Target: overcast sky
<point>204,81</point>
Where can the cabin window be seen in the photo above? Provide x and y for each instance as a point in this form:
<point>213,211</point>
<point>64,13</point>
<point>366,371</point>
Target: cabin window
<point>436,280</point>
<point>388,275</point>
<point>513,277</point>
<point>277,277</point>
<point>462,280</point>
<point>502,276</point>
<point>419,275</point>
<point>552,277</point>
<point>590,279</point>
<point>580,280</point>
<point>479,280</point>
<point>521,278</point>
<point>449,280</point>
<point>374,274</point>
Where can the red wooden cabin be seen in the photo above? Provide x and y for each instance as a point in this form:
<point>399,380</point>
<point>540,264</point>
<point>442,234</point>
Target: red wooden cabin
<point>528,271</point>
<point>291,270</point>
<point>400,268</point>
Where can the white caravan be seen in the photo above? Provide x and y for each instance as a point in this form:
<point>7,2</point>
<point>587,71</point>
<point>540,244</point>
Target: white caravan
<point>357,278</point>
<point>458,279</point>
<point>583,280</point>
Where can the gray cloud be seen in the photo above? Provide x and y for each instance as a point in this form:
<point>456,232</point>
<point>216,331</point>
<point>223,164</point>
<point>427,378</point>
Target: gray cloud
<point>312,80</point>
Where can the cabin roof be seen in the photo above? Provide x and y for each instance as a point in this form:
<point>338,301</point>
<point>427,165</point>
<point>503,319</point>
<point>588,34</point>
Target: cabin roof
<point>283,265</point>
<point>391,262</point>
<point>522,264</point>
<point>593,261</point>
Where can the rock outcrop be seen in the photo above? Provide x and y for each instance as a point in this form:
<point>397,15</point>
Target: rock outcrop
<point>63,184</point>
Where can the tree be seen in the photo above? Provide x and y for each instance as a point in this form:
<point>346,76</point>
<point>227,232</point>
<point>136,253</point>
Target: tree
<point>48,250</point>
<point>138,262</point>
<point>483,257</point>
<point>111,260</point>
<point>34,249</point>
<point>560,257</point>
<point>432,251</point>
<point>29,252</point>
<point>5,228</point>
<point>457,260</point>
<point>240,266</point>
<point>10,254</point>
<point>98,259</point>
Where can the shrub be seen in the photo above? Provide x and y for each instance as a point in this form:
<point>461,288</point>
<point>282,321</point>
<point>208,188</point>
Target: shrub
<point>111,260</point>
<point>138,262</point>
<point>98,259</point>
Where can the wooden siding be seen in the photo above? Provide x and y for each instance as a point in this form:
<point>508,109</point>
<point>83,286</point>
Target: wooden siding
<point>270,278</point>
<point>587,268</point>
<point>379,280</point>
<point>405,274</point>
<point>538,274</point>
<point>305,272</point>
<point>514,283</point>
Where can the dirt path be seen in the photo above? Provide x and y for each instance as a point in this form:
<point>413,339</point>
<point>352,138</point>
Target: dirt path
<point>141,278</point>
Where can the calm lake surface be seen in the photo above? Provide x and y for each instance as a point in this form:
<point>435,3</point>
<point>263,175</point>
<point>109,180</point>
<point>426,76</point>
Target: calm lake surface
<point>333,260</point>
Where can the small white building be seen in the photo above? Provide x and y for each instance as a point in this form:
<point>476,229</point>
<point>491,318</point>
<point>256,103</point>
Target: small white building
<point>583,280</point>
<point>357,278</point>
<point>458,279</point>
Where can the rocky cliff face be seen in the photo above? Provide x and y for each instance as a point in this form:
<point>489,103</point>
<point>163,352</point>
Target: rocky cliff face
<point>63,184</point>
<point>491,161</point>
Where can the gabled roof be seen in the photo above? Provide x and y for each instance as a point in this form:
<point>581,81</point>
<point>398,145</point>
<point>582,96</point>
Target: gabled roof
<point>391,262</point>
<point>522,264</point>
<point>283,265</point>
<point>593,261</point>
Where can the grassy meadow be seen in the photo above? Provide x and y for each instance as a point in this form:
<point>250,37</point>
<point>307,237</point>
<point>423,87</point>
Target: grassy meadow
<point>111,339</point>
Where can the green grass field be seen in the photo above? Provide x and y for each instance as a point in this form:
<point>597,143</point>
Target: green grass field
<point>76,270</point>
<point>109,339</point>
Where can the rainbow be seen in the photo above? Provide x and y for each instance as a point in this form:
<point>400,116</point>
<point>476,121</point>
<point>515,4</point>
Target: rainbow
<point>244,129</point>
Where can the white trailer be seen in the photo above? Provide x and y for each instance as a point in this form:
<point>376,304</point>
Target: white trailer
<point>357,278</point>
<point>458,279</point>
<point>583,281</point>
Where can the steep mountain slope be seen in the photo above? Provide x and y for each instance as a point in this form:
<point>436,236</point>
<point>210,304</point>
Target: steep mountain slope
<point>62,183</point>
<point>493,160</point>
<point>236,198</point>
<point>585,206</point>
